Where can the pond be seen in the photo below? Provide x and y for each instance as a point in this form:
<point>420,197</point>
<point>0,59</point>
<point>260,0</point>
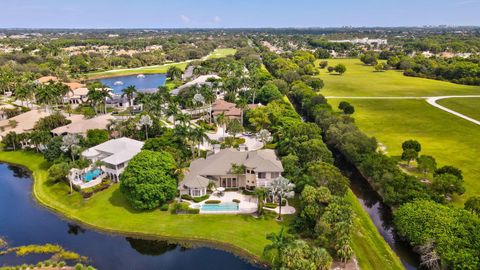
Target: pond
<point>23,222</point>
<point>143,83</point>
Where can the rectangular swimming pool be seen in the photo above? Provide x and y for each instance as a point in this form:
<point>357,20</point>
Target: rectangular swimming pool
<point>90,175</point>
<point>221,207</point>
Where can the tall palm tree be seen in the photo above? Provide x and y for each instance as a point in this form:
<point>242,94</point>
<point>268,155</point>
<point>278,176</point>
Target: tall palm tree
<point>242,105</point>
<point>184,119</point>
<point>129,92</point>
<point>222,120</point>
<point>44,95</point>
<point>199,135</point>
<point>172,110</point>
<point>39,138</point>
<point>97,93</point>
<point>278,243</point>
<point>145,121</point>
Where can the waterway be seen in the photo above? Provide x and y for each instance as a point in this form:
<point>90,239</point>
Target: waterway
<point>24,222</point>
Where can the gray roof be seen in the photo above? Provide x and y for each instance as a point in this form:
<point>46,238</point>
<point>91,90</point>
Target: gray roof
<point>118,150</point>
<point>198,81</point>
<point>195,182</point>
<point>220,164</point>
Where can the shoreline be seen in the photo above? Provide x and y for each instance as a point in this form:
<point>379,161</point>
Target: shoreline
<point>194,241</point>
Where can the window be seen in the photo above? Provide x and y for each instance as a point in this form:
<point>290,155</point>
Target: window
<point>262,175</point>
<point>274,175</point>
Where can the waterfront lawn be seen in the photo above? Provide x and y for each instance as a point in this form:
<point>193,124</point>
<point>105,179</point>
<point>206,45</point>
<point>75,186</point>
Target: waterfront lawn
<point>108,210</point>
<point>361,80</point>
<point>450,139</point>
<point>466,106</point>
<point>370,248</point>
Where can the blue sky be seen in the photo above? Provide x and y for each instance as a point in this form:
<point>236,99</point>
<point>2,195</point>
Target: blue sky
<point>235,13</point>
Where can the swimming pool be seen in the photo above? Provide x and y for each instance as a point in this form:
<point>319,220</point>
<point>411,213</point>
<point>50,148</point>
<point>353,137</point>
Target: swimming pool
<point>221,207</point>
<point>90,175</point>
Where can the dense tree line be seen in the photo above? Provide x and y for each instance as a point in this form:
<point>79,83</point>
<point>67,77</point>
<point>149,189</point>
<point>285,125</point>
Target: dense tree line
<point>396,188</point>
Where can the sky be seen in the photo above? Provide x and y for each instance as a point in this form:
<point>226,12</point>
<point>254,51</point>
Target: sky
<point>235,13</point>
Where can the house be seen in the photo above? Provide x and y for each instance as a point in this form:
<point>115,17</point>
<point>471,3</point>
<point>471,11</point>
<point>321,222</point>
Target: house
<point>261,168</point>
<point>76,95</point>
<point>81,125</point>
<point>114,154</point>
<point>201,80</point>
<point>228,109</point>
<point>46,79</point>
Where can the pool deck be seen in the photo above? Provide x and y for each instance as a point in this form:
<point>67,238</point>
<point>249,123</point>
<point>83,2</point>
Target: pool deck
<point>247,205</point>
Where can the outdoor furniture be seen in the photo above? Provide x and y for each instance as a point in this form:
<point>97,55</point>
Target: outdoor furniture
<point>220,191</point>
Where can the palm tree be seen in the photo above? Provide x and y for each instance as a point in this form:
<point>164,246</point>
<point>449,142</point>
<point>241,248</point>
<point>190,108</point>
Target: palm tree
<point>129,92</point>
<point>234,127</point>
<point>39,137</point>
<point>199,135</point>
<point>278,243</point>
<point>44,95</point>
<point>25,92</point>
<point>260,193</point>
<point>280,188</point>
<point>264,136</point>
<point>198,99</point>
<point>238,169</point>
<point>172,110</point>
<point>145,121</point>
<point>69,143</point>
<point>174,73</point>
<point>97,92</point>
<point>184,119</point>
<point>242,105</point>
<point>114,125</point>
<point>222,120</point>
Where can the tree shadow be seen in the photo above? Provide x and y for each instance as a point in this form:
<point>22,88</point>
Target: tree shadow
<point>118,200</point>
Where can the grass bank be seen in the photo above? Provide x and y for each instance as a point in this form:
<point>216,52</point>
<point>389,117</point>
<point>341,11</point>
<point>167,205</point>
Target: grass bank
<point>370,248</point>
<point>109,211</point>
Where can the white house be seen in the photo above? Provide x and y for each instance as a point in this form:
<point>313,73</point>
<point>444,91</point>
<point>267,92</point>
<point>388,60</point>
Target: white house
<point>261,168</point>
<point>114,154</point>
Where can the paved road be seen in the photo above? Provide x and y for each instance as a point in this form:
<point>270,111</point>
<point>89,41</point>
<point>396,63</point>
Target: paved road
<point>431,100</point>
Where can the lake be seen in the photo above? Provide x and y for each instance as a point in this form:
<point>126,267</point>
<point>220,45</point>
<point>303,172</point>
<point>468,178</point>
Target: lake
<point>148,83</point>
<point>24,222</point>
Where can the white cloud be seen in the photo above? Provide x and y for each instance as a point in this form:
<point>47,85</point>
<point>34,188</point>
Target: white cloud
<point>185,19</point>
<point>217,19</point>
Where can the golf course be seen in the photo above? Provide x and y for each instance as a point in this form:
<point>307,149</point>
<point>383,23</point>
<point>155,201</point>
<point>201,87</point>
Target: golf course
<point>392,108</point>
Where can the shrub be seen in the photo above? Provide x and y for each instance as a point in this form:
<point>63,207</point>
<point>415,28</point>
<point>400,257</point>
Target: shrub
<point>248,192</point>
<point>213,202</point>
<point>88,192</point>
<point>184,208</point>
<point>271,205</point>
<point>187,197</point>
<point>201,199</point>
<point>164,207</point>
<point>236,200</point>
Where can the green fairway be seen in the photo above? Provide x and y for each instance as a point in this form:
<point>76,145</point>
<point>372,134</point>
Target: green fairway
<point>450,139</point>
<point>217,53</point>
<point>466,106</point>
<point>361,80</point>
<point>223,52</point>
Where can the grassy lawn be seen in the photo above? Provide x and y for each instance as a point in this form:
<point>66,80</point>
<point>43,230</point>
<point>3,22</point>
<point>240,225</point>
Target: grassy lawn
<point>450,139</point>
<point>371,250</point>
<point>361,80</point>
<point>466,106</point>
<point>244,234</point>
<point>219,53</point>
<point>109,211</point>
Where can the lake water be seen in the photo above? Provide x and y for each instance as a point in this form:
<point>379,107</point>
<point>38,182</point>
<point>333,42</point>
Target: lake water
<point>147,84</point>
<point>23,222</point>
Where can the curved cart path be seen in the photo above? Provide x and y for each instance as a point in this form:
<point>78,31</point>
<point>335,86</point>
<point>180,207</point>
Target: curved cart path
<point>430,100</point>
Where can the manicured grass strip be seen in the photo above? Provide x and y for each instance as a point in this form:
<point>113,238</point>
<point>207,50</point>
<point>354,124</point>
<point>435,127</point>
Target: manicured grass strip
<point>219,53</point>
<point>370,248</point>
<point>466,106</point>
<point>450,139</point>
<point>108,210</point>
<point>361,80</point>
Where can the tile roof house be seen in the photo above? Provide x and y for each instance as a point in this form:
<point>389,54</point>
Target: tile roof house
<point>229,109</point>
<point>261,168</point>
<point>114,154</point>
